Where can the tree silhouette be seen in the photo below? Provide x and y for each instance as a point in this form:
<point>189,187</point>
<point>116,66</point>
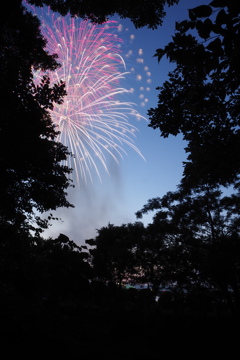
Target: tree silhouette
<point>51,299</point>
<point>140,12</point>
<point>200,99</point>
<point>200,237</point>
<point>113,255</point>
<point>33,179</point>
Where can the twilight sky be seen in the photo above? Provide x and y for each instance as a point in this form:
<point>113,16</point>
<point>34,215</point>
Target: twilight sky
<point>133,181</point>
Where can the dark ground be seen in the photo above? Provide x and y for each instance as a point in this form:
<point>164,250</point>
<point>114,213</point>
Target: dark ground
<point>114,333</point>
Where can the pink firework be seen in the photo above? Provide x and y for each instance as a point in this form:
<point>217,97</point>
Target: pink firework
<point>94,119</point>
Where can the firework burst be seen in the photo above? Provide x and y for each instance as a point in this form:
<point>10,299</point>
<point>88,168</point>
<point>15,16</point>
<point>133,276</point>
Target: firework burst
<point>94,119</point>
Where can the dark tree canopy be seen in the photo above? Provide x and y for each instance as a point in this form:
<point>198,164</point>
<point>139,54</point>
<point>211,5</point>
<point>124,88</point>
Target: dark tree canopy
<point>200,100</point>
<point>200,235</point>
<point>32,177</point>
<point>63,299</point>
<point>112,257</point>
<point>140,12</point>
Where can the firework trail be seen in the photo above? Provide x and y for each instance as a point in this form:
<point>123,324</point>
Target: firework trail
<point>94,119</point>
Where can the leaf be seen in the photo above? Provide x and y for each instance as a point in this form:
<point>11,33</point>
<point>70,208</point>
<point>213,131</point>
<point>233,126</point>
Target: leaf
<point>219,3</point>
<point>184,26</point>
<point>208,26</point>
<point>91,242</point>
<point>204,28</point>
<point>191,15</point>
<point>218,29</point>
<point>159,53</point>
<point>202,11</point>
<point>222,18</point>
<point>215,46</point>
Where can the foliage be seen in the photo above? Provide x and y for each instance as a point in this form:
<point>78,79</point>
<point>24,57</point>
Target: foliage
<point>56,295</point>
<point>113,257</point>
<point>42,271</point>
<point>200,100</point>
<point>201,236</point>
<point>141,13</point>
<point>191,248</point>
<point>33,179</point>
<point>47,304</point>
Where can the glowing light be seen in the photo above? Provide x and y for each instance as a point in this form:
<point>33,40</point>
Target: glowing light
<point>120,27</point>
<point>94,118</point>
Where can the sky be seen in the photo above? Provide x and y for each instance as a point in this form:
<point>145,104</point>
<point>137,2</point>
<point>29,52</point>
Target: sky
<point>130,184</point>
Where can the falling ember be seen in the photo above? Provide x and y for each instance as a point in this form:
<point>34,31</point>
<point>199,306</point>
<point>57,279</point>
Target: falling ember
<point>94,119</point>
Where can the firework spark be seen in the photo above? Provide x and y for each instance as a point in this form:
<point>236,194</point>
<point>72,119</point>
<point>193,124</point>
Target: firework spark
<point>94,119</point>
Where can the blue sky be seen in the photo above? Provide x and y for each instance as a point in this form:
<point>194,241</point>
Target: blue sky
<point>131,183</point>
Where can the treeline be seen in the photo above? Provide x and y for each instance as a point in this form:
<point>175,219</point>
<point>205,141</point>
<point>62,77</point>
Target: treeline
<point>134,291</point>
<point>188,258</point>
<point>154,284</point>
